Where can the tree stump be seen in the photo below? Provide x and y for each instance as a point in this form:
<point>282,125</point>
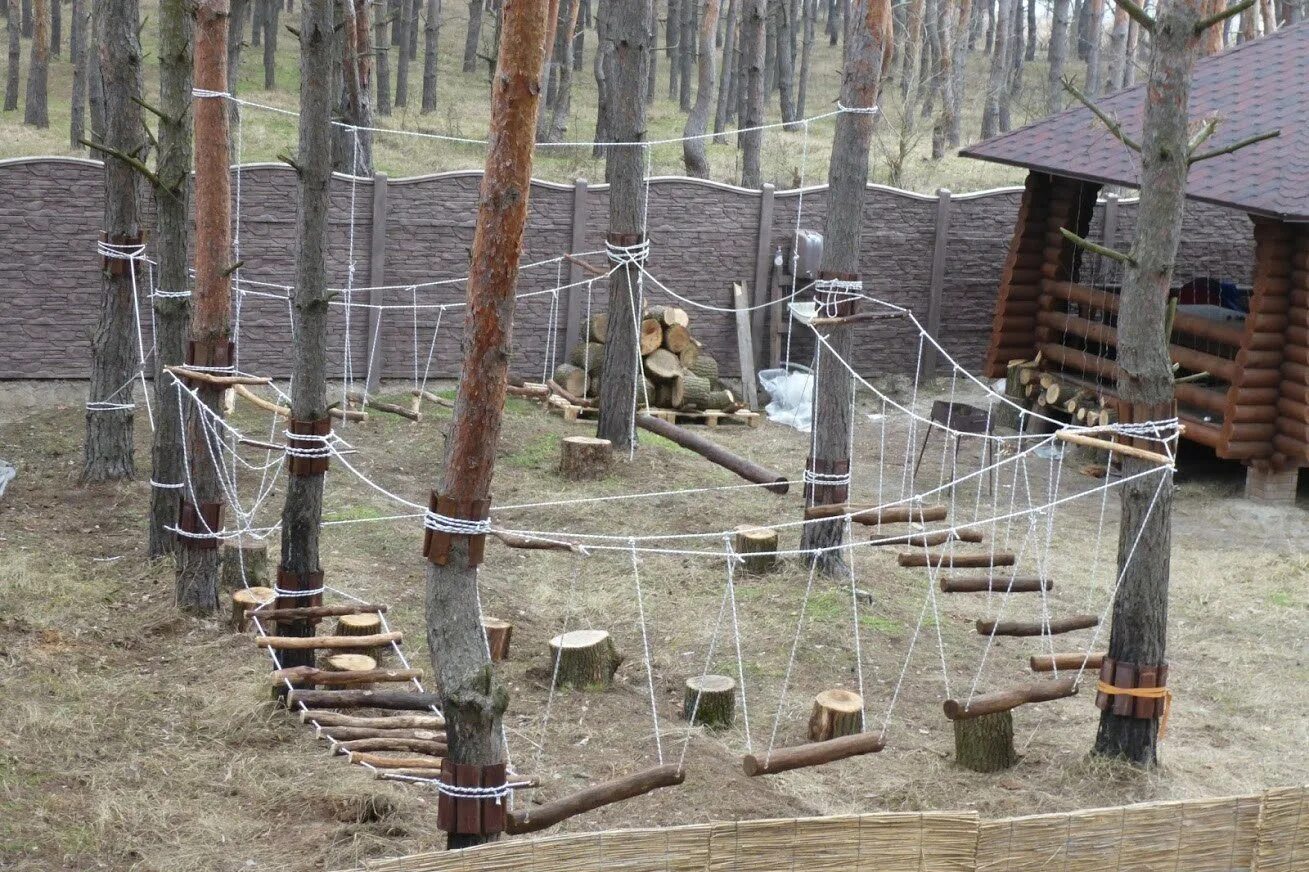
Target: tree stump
<point>350,663</point>
<point>248,598</point>
<point>757,547</point>
<point>985,743</point>
<point>585,457</point>
<point>586,659</point>
<point>247,553</point>
<point>498,633</point>
<point>717,700</point>
<point>836,713</point>
<point>367,624</point>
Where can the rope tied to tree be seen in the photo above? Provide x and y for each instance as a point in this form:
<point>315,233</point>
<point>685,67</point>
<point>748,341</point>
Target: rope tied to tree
<point>439,523</point>
<point>1162,693</point>
<point>628,255</point>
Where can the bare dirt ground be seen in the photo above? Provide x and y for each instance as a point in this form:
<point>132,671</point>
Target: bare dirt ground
<point>131,737</point>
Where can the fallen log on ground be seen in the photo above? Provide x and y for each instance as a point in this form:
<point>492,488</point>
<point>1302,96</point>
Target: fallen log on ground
<point>747,469</point>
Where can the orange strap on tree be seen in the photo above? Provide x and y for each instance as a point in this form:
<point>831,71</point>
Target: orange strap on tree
<point>1162,693</point>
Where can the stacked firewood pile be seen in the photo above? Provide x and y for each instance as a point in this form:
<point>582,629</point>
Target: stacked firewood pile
<point>1046,390</point>
<point>678,373</point>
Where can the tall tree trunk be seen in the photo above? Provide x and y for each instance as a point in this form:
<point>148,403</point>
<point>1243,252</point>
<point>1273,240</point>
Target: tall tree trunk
<point>1212,41</point>
<point>402,57</point>
<point>77,53</point>
<point>600,66</point>
<point>770,47</point>
<point>238,12</point>
<point>272,13</point>
<point>356,93</point>
<point>697,123</point>
<point>108,455</point>
<point>752,91</point>
<point>1129,68</point>
<point>958,73</point>
<point>171,313</point>
<point>302,511</point>
<point>555,31</point>
<point>1094,71</point>
<point>786,63</point>
<point>431,39</point>
<point>257,22</point>
<point>579,46</point>
<point>415,18</point>
<point>999,78</point>
<point>1058,55</point>
<point>950,29</point>
<point>211,299</point>
<point>1082,18</point>
<point>867,55</point>
<point>1117,50</point>
<point>1016,36</point>
<point>13,26</point>
<point>912,54</point>
<point>673,45</point>
<point>564,97</point>
<point>810,16</point>
<point>1139,634</point>
<point>723,111</point>
<point>56,26</point>
<point>686,57</point>
<point>27,18</point>
<point>990,26</point>
<point>473,38</point>
<point>36,110</point>
<point>652,80</point>
<point>1030,53</point>
<point>471,698</point>
<point>382,61</point>
<point>628,31</point>
<point>95,88</point>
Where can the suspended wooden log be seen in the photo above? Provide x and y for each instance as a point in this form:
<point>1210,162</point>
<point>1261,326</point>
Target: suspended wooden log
<point>938,537</point>
<point>712,699</point>
<point>585,458</point>
<point>343,734</point>
<point>379,699</point>
<point>422,746</point>
<point>529,390</point>
<point>813,754</point>
<point>432,398</point>
<point>187,374</point>
<point>534,543</point>
<point>531,820</point>
<point>1108,445</point>
<point>498,634</point>
<point>259,402</point>
<point>300,613</point>
<point>872,515</point>
<point>1036,628</point>
<point>432,772</point>
<point>836,713</point>
<point>992,584</point>
<point>244,600</point>
<point>311,675</point>
<point>757,548</point>
<point>985,743</point>
<point>1004,700</point>
<point>369,402</point>
<point>964,561</point>
<point>746,469</point>
<point>584,658</point>
<point>1050,662</point>
<point>385,722</point>
<point>377,761</point>
<point>306,643</point>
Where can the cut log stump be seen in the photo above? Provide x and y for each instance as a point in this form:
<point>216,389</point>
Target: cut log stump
<point>498,633</point>
<point>244,563</point>
<point>584,458</point>
<point>362,625</point>
<point>585,659</point>
<point>836,713</point>
<point>986,743</point>
<point>347,662</point>
<point>712,699</point>
<point>248,598</point>
<point>571,378</point>
<point>757,547</point>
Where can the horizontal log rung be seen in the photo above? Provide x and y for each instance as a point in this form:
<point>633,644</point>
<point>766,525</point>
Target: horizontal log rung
<point>304,643</point>
<point>1036,628</point>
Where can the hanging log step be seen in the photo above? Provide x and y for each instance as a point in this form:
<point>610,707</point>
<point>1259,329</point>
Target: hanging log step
<point>301,613</point>
<point>813,754</point>
<point>991,584</point>
<point>377,761</point>
<point>305,643</point>
<point>588,799</point>
<point>873,515</point>
<point>345,734</point>
<point>1051,662</point>
<point>384,722</point>
<point>963,561</point>
<point>422,746</point>
<point>431,772</point>
<point>928,540</point>
<point>1036,628</point>
<point>310,675</point>
<point>379,699</point>
<point>1004,700</point>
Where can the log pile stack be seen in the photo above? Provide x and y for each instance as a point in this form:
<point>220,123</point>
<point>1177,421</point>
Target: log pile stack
<point>678,374</point>
<point>1047,391</point>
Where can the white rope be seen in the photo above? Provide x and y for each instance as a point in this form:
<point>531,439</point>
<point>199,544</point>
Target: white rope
<point>645,645</point>
<point>439,523</point>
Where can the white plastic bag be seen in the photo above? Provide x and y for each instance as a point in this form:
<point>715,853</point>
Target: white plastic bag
<point>791,396</point>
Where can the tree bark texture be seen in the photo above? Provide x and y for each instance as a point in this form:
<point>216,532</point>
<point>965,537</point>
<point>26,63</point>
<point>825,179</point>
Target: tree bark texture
<point>270,24</point>
<point>356,91</point>
<point>1117,50</point>
<point>172,226</point>
<point>13,74</point>
<point>238,12</point>
<point>473,38</point>
<point>753,14</point>
<point>472,700</point>
<point>36,110</point>
<point>867,54</point>
<point>627,55</point>
<point>77,54</point>
<point>1140,612</point>
<point>555,30</point>
<point>211,299</point>
<point>402,57</point>
<point>56,27</point>
<point>986,743</point>
<point>108,455</point>
<point>810,24</point>
<point>564,92</point>
<point>257,14</point>
<point>95,88</point>
<point>673,45</point>
<point>786,29</point>
<point>431,41</point>
<point>690,10</point>
<point>958,73</point>
<point>998,83</point>
<point>697,123</point>
<point>382,63</point>
<point>725,103</point>
<point>1094,70</point>
<point>1058,54</point>
<point>602,88</point>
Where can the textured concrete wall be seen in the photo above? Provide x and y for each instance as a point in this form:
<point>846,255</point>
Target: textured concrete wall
<point>704,237</point>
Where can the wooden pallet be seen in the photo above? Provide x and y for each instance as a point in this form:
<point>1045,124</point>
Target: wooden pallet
<point>709,418</point>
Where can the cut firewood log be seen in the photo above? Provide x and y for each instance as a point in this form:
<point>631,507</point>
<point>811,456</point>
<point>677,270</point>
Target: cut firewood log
<point>675,390</point>
<point>964,561</point>
<point>986,743</point>
<point>1028,373</point>
<point>366,624</point>
<point>350,665</point>
<point>706,367</point>
<point>589,357</point>
<point>691,353</point>
<point>382,722</point>
<point>836,713</point>
<point>571,378</point>
<point>662,365</point>
<point>721,400</point>
<point>422,746</point>
<point>1077,401</point>
<point>584,659</point>
<point>652,336</point>
<point>583,458</point>
<point>668,316</point>
<point>248,598</point>
<point>676,338</point>
<point>710,700</point>
<point>598,328</point>
<point>244,563</point>
<point>696,391</point>
<point>498,634</point>
<point>757,548</point>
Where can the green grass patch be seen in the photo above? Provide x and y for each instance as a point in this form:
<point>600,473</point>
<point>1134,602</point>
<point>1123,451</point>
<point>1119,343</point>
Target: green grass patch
<point>352,513</point>
<point>1282,598</point>
<point>539,452</point>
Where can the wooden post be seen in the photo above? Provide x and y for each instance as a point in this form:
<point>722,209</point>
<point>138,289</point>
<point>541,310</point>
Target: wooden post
<point>940,247</point>
<point>1109,230</point>
<point>986,743</point>
<point>745,345</point>
<point>376,277</point>
<point>573,298</point>
<point>763,260</point>
<point>473,702</point>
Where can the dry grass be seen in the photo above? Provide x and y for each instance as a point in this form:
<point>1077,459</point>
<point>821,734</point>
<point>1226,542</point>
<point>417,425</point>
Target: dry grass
<point>134,738</point>
<point>463,107</point>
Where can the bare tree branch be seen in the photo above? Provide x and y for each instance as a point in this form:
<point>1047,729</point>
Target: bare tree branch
<point>127,159</point>
<point>152,110</point>
<point>1114,127</point>
<point>1205,23</point>
<point>1138,14</point>
<point>1235,146</point>
<point>1206,130</point>
<point>1111,253</point>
